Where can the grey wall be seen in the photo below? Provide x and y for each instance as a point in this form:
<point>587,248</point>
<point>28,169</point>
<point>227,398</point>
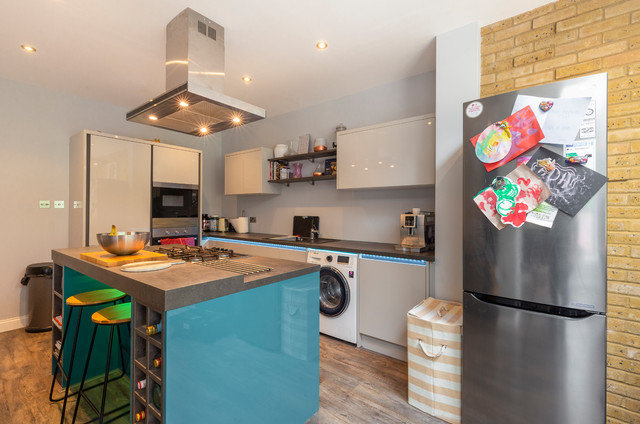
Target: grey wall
<point>458,81</point>
<point>351,215</point>
<point>35,126</point>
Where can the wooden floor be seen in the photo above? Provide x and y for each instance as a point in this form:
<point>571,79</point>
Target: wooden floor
<point>356,386</point>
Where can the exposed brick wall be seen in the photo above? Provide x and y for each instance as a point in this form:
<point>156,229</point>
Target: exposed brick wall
<point>567,39</point>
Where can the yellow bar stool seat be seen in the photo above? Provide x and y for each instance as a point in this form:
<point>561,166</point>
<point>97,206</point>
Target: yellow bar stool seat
<point>80,301</point>
<point>111,316</point>
<point>96,297</point>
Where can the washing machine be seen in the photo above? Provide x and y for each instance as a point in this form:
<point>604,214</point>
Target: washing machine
<point>338,293</point>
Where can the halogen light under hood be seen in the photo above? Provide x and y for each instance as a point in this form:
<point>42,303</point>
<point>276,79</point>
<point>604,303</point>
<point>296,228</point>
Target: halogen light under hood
<point>194,102</point>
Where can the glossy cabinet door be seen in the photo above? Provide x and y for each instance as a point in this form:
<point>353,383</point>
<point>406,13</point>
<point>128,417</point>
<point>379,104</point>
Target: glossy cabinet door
<point>394,154</point>
<point>176,166</point>
<point>247,172</point>
<point>388,289</point>
<point>119,188</point>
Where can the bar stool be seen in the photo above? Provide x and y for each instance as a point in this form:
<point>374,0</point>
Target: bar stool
<point>80,301</point>
<point>113,316</point>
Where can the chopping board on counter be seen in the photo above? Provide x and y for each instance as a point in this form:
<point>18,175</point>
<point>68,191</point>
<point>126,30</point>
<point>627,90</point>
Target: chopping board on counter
<point>107,259</point>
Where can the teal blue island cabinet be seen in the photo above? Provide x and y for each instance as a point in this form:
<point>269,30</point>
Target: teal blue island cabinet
<point>231,348</point>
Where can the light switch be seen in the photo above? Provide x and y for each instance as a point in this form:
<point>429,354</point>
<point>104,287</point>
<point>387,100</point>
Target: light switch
<point>77,204</point>
<point>45,204</point>
<point>58,204</point>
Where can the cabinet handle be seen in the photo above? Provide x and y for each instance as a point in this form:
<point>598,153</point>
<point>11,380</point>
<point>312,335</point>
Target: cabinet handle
<point>431,355</point>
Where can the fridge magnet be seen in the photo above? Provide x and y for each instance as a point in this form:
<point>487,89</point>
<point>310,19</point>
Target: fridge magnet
<point>545,106</point>
<point>543,215</point>
<point>525,133</point>
<point>508,199</point>
<point>582,148</point>
<point>559,118</point>
<point>571,185</point>
<point>474,109</point>
<point>493,143</point>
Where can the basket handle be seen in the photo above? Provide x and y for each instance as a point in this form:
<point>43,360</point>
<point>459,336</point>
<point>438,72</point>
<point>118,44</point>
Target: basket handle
<point>444,308</point>
<point>431,355</point>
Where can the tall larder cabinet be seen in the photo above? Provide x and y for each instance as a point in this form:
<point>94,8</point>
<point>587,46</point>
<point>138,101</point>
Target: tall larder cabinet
<point>109,184</point>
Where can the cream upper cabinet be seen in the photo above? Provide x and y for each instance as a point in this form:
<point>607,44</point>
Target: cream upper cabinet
<point>247,172</point>
<point>176,166</point>
<point>393,154</point>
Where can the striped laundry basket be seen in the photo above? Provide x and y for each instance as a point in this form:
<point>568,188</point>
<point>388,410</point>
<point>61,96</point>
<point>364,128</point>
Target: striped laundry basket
<point>434,333</point>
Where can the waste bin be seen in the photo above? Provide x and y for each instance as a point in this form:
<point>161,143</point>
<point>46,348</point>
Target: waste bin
<point>434,344</point>
<point>37,278</point>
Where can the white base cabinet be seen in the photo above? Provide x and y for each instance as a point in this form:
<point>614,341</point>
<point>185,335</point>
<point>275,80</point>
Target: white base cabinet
<point>247,172</point>
<point>394,154</point>
<point>291,253</point>
<point>388,289</point>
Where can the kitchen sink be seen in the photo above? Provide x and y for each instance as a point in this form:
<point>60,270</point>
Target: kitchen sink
<point>297,239</point>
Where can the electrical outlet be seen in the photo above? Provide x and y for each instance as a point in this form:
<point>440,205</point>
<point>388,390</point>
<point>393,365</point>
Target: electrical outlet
<point>252,220</point>
<point>77,204</point>
<point>45,204</point>
<point>58,204</point>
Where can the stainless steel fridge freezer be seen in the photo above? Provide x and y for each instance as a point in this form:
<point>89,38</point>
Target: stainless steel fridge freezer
<point>534,342</point>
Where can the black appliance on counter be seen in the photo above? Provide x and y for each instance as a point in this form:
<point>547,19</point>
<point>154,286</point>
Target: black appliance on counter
<point>306,226</point>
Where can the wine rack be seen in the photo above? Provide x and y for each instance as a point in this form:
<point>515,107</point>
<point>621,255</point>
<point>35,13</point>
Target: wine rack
<point>146,349</point>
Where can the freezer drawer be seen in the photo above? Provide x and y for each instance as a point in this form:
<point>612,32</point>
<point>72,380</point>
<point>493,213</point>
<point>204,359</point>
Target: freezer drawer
<point>527,367</point>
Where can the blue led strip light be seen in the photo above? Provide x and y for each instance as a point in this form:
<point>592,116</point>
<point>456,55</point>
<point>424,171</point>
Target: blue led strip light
<point>394,259</point>
<point>254,243</point>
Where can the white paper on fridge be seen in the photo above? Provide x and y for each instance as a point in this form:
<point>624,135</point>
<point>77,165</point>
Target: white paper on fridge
<point>543,215</point>
<point>561,122</point>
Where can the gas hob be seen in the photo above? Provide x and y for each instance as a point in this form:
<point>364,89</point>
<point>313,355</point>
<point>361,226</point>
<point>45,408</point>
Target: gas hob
<point>213,257</point>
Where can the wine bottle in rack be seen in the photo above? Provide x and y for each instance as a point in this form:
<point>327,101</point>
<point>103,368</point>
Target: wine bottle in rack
<point>157,362</point>
<point>140,416</point>
<point>154,329</point>
<point>142,384</point>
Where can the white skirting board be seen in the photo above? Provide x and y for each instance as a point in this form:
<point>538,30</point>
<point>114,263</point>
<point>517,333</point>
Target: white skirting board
<point>13,323</point>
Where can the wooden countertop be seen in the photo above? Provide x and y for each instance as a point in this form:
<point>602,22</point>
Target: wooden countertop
<point>364,247</point>
<point>180,285</point>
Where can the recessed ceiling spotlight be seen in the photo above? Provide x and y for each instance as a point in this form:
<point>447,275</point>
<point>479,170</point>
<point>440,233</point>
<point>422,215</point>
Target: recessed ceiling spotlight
<point>236,120</point>
<point>153,117</point>
<point>321,45</point>
<point>183,103</point>
<point>247,79</point>
<point>28,48</point>
<point>204,130</point>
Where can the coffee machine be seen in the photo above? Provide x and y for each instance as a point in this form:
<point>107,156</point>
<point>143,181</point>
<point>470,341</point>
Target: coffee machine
<point>417,231</point>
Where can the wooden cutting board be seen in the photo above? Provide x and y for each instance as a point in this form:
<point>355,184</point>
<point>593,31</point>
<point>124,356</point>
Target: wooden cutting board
<point>105,258</point>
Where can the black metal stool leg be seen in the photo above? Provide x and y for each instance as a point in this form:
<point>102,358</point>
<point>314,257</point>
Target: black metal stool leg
<point>84,375</point>
<point>59,358</point>
<point>73,354</point>
<point>106,375</point>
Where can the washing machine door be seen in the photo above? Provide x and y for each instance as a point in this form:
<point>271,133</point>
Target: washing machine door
<point>334,292</point>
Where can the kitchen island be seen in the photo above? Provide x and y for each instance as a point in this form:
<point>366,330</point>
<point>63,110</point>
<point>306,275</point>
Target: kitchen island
<point>233,348</point>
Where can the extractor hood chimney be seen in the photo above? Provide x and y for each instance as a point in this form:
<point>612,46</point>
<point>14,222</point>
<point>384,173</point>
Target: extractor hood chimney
<point>194,102</point>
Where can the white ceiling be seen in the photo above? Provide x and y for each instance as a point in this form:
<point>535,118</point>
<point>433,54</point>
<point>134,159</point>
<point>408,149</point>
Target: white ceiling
<point>113,50</point>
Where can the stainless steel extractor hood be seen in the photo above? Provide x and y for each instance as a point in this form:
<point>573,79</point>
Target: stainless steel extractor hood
<point>194,102</point>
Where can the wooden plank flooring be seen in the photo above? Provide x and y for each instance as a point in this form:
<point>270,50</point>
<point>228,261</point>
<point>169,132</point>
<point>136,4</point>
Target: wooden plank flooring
<point>356,386</point>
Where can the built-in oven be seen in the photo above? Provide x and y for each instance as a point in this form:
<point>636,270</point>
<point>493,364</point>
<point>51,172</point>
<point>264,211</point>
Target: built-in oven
<point>175,211</point>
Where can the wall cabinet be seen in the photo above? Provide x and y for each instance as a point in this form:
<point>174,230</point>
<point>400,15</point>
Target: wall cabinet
<point>247,172</point>
<point>394,154</point>
<point>176,166</point>
<point>388,289</point>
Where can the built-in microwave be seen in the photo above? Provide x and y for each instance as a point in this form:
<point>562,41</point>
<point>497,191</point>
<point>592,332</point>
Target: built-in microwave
<point>174,201</point>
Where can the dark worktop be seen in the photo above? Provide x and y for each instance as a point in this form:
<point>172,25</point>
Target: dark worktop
<point>365,247</point>
<point>180,285</point>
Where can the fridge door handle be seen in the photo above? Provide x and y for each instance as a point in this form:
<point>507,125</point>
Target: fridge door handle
<point>559,311</point>
<point>431,355</point>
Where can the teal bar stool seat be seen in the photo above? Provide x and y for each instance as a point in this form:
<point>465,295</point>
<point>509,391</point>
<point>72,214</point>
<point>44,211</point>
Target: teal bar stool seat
<point>79,301</point>
<point>112,316</point>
